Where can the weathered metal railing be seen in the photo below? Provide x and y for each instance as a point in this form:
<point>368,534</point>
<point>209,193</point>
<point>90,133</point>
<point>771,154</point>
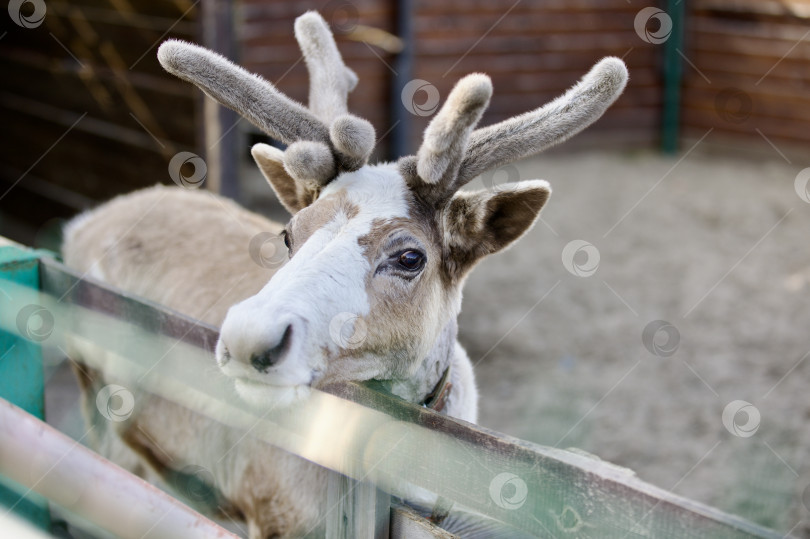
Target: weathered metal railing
<point>383,447</point>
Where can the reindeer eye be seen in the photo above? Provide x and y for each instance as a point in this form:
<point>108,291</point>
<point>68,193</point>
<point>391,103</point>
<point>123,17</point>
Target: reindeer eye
<point>286,236</point>
<point>411,260</point>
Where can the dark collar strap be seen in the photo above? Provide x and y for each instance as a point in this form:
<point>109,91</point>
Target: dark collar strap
<point>437,398</point>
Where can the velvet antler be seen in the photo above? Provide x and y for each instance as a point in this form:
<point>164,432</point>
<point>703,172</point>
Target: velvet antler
<point>323,140</point>
<point>430,171</point>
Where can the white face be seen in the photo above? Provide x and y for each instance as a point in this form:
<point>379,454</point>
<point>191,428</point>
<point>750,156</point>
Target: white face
<point>362,284</point>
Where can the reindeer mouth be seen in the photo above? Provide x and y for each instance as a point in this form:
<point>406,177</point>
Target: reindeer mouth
<point>265,394</point>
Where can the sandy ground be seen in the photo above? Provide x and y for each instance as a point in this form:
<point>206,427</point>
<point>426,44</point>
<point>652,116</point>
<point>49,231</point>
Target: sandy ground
<point>717,247</point>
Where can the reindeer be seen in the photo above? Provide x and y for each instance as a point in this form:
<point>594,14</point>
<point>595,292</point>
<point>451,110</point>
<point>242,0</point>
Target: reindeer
<point>389,244</point>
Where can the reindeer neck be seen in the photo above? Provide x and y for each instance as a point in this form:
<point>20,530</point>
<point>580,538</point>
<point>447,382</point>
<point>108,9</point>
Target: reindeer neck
<point>432,368</point>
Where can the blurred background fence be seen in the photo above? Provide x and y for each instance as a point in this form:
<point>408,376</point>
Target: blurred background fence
<point>84,73</point>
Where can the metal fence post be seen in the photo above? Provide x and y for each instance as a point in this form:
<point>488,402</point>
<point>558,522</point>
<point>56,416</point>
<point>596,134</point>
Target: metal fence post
<point>21,378</point>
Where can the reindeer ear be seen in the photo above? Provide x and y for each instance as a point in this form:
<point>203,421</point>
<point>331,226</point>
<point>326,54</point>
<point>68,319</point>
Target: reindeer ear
<point>293,195</point>
<point>480,223</point>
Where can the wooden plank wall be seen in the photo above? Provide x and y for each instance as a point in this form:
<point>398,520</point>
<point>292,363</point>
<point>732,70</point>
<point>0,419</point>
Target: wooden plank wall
<point>748,78</point>
<point>533,50</point>
<point>751,71</point>
<point>88,111</point>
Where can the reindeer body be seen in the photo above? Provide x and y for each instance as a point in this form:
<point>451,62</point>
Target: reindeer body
<point>187,250</point>
<point>178,247</point>
<point>389,245</point>
<point>183,249</point>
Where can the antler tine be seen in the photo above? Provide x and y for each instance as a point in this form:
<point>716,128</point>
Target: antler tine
<point>534,131</point>
<point>330,81</point>
<point>248,94</point>
<point>447,135</point>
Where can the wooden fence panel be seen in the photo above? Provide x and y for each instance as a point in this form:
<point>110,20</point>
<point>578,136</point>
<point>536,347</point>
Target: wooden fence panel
<point>382,439</point>
<point>89,112</point>
<point>751,71</point>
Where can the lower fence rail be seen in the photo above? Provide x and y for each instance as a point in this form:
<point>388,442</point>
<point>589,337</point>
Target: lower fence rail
<point>43,460</point>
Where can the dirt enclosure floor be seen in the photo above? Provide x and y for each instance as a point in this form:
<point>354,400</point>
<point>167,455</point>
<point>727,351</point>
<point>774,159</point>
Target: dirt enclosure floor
<point>718,250</point>
<point>709,254</point>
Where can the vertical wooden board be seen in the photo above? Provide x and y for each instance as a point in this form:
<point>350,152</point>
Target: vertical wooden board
<point>355,509</point>
<point>534,51</point>
<point>21,378</point>
<point>748,71</point>
<point>221,139</point>
<point>82,88</point>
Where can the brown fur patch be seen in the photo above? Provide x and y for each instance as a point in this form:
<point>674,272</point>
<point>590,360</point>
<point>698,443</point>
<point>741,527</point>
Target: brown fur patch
<point>267,510</point>
<point>138,440</point>
<point>381,229</point>
<point>84,375</point>
<point>313,217</point>
<point>404,313</point>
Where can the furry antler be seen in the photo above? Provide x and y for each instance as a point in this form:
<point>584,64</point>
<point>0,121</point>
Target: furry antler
<point>248,94</point>
<point>323,140</point>
<point>505,142</point>
<point>447,136</point>
<point>330,81</point>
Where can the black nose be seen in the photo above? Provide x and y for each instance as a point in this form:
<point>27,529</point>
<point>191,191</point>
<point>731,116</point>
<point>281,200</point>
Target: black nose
<point>272,356</point>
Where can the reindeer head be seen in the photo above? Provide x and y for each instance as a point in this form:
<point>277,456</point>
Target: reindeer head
<point>378,253</point>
